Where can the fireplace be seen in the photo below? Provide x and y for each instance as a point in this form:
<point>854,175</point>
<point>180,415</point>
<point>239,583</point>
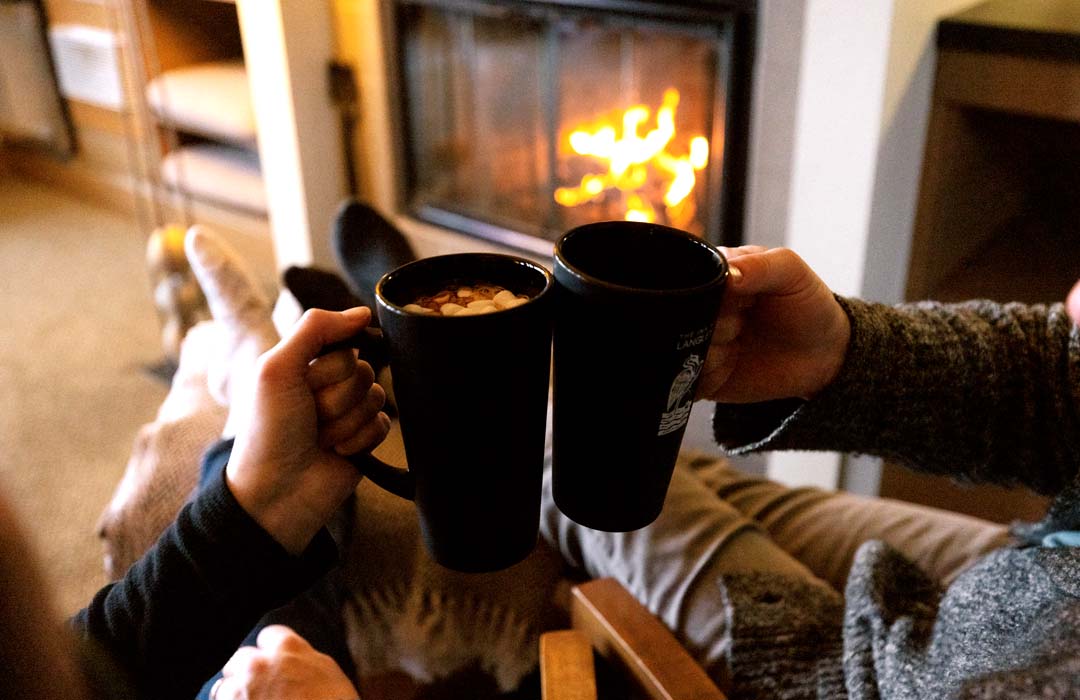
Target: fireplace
<point>833,169</point>
<point>520,119</point>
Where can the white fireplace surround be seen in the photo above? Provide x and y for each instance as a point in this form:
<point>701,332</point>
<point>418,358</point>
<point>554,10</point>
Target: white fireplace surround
<point>839,109</point>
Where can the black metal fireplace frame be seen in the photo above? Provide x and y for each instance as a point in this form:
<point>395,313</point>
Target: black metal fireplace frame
<point>727,194</point>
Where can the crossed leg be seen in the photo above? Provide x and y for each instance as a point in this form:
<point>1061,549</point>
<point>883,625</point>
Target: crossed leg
<point>719,522</point>
<point>824,529</point>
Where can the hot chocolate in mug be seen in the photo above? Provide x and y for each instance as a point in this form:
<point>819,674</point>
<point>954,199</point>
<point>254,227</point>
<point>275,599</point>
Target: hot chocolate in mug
<point>471,391</point>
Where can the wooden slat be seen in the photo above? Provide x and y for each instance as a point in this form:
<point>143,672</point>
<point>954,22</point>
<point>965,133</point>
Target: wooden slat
<point>100,118</point>
<point>566,666</point>
<point>75,177</point>
<point>182,37</point>
<point>1037,87</point>
<point>78,12</point>
<point>104,151</point>
<point>626,633</point>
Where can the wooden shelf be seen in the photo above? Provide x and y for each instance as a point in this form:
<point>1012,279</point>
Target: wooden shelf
<point>210,100</point>
<point>1047,29</point>
<point>1002,131</point>
<point>201,104</point>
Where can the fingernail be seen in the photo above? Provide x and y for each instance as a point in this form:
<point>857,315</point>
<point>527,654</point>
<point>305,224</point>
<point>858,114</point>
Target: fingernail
<point>734,273</point>
<point>355,312</point>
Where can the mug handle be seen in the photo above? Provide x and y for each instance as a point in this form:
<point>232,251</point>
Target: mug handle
<point>396,480</point>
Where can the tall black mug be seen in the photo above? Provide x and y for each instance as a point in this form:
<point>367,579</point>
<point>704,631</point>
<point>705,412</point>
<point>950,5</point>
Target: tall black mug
<point>471,394</point>
<point>635,305</point>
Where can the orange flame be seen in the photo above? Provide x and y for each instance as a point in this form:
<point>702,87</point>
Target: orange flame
<point>630,158</point>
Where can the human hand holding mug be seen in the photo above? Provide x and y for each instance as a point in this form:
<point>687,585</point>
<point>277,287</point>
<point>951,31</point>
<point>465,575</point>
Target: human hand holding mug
<point>780,332</point>
<point>287,468</point>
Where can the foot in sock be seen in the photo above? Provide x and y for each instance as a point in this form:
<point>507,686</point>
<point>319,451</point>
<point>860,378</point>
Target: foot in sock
<point>367,246</point>
<point>319,289</point>
<point>313,288</point>
<point>237,304</point>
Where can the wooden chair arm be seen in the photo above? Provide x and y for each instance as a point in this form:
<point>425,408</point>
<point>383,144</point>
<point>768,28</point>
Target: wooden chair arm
<point>566,666</point>
<point>626,634</point>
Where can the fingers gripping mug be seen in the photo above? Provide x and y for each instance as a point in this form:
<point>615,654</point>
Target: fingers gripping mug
<point>471,393</point>
<point>635,305</point>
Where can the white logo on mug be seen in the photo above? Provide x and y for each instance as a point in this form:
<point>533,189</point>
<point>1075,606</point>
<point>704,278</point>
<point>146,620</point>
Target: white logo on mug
<point>679,401</point>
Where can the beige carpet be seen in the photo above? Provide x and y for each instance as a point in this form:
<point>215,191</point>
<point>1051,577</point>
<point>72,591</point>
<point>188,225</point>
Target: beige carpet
<point>79,331</point>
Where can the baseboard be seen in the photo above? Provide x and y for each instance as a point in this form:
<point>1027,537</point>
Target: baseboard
<point>119,192</point>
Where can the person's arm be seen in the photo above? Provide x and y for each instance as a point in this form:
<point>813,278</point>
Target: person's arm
<point>37,656</point>
<point>980,391</point>
<point>183,608</point>
<point>253,537</point>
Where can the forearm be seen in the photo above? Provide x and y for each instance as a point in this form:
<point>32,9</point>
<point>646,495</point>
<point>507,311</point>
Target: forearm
<point>980,391</point>
<point>181,610</point>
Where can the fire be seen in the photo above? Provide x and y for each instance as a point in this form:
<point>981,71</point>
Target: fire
<point>631,158</point>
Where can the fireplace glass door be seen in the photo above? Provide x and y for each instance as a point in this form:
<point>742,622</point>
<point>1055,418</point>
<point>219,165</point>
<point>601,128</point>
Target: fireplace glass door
<point>524,119</point>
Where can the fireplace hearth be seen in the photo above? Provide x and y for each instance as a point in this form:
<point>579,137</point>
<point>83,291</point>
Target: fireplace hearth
<point>521,119</point>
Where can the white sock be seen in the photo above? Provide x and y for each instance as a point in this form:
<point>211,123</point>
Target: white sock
<point>239,307</point>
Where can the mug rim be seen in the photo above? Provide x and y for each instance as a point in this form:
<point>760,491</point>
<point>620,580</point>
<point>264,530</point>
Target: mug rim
<point>386,302</point>
<point>582,277</point>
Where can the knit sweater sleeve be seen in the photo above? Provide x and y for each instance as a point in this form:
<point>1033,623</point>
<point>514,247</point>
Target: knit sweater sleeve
<point>179,613</point>
<point>981,391</point>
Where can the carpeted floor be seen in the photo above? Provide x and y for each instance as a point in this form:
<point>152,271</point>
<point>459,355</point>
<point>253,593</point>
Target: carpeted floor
<point>79,332</point>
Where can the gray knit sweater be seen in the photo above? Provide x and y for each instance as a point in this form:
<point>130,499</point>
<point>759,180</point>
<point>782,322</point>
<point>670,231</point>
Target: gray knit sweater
<point>981,391</point>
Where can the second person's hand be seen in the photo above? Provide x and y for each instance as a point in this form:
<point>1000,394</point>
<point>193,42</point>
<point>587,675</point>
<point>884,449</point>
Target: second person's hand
<point>282,666</point>
<point>780,333</point>
<point>309,411</point>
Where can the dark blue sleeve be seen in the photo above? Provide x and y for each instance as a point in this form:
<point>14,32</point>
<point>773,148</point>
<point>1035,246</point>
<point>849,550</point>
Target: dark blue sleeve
<point>181,611</point>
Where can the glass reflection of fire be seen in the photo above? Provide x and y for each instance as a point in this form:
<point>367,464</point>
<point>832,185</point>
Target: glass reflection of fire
<point>641,171</point>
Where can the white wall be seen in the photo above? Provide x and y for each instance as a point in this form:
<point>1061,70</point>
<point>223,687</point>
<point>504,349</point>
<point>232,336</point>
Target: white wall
<point>908,92</point>
<point>287,47</point>
<point>823,167</point>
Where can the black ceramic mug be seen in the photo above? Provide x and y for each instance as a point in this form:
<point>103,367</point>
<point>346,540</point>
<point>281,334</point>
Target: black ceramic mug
<point>471,393</point>
<point>635,305</point>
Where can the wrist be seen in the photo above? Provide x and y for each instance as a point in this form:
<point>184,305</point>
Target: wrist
<point>287,525</point>
<point>837,339</point>
<point>291,531</point>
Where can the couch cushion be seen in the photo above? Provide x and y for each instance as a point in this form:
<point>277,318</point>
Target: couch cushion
<point>210,99</point>
<point>225,175</point>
